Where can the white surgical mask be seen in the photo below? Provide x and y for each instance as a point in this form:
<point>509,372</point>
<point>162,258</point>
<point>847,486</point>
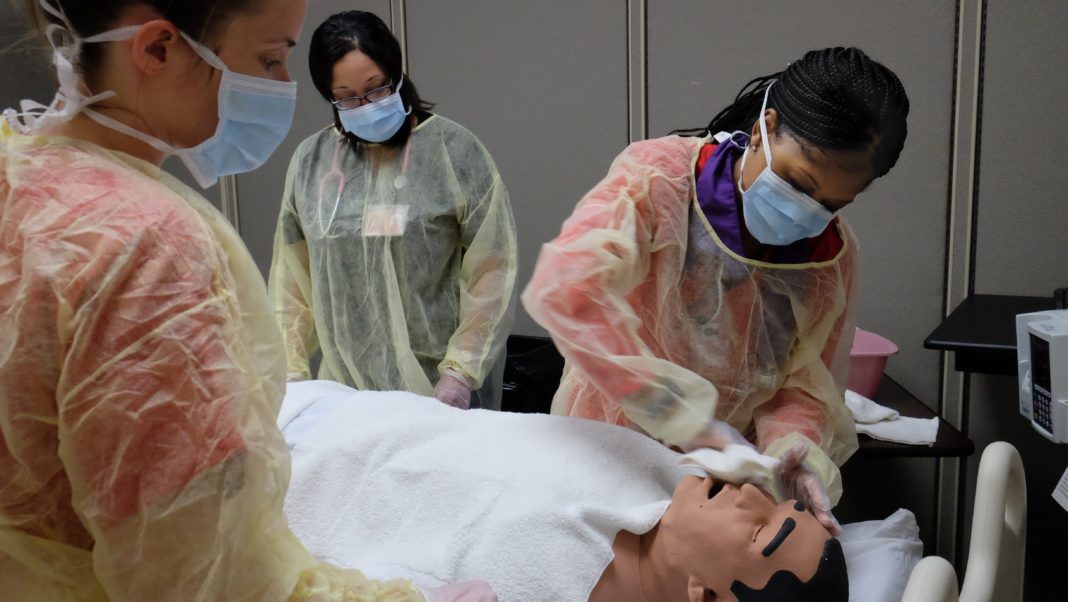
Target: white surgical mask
<point>775,212</point>
<point>255,113</point>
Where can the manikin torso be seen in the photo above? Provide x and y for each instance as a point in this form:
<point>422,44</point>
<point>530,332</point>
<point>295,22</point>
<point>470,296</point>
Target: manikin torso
<point>540,519</point>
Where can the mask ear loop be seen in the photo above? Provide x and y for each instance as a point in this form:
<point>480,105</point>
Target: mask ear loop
<point>741,168</point>
<point>397,92</point>
<point>764,126</point>
<point>763,136</point>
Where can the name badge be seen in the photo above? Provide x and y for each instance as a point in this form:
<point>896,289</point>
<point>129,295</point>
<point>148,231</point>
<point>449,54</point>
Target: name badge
<point>385,220</point>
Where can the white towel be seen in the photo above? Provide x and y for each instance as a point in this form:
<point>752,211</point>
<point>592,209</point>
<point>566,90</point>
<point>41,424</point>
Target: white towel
<point>734,464</point>
<point>880,422</point>
<point>359,457</point>
<point>866,411</point>
<point>302,394</point>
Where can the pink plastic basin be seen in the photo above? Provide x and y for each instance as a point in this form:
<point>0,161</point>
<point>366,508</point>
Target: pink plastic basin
<point>867,360</point>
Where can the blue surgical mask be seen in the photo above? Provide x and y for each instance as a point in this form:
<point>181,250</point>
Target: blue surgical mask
<point>376,121</point>
<point>775,212</point>
<point>255,113</point>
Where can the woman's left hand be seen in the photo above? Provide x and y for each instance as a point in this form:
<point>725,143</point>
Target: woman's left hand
<point>453,391</point>
<point>799,483</point>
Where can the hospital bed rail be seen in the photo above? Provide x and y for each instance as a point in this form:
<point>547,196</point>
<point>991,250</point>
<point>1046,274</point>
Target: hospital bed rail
<point>995,568</point>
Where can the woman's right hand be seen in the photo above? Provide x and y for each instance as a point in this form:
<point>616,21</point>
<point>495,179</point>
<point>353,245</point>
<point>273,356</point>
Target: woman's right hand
<point>451,390</point>
<point>799,483</point>
<point>476,590</point>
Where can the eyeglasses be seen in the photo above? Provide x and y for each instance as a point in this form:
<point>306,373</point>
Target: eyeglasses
<point>355,101</point>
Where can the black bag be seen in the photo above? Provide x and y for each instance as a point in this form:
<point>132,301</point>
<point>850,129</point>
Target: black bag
<point>532,372</point>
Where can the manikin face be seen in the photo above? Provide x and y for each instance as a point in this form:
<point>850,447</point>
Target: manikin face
<point>718,534</point>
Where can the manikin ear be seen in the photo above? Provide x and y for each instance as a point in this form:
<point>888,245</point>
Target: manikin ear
<point>155,46</point>
<point>696,592</point>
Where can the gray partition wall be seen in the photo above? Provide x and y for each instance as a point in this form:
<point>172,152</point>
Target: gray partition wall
<point>544,87</point>
<point>1022,209</point>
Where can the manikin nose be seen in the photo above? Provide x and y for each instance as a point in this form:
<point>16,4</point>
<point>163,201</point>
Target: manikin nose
<point>753,500</point>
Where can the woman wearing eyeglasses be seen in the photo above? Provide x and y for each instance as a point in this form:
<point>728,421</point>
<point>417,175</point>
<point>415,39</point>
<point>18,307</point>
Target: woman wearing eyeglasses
<point>395,252</point>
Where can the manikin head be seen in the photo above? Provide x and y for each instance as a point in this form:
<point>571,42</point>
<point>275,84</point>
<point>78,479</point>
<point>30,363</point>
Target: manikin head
<point>730,543</point>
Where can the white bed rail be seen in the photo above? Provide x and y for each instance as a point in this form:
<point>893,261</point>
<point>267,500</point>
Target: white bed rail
<point>996,550</point>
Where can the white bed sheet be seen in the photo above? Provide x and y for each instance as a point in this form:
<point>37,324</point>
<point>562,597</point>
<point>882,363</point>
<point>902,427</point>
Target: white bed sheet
<point>880,554</point>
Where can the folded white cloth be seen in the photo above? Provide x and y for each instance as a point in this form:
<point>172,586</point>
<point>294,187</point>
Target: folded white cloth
<point>881,422</point>
<point>401,485</point>
<point>734,464</point>
<point>866,411</point>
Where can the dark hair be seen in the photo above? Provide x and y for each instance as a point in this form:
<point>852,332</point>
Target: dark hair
<point>199,19</point>
<point>835,99</point>
<point>360,30</point>
<point>830,583</point>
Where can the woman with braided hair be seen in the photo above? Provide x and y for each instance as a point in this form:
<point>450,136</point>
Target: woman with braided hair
<point>704,288</point>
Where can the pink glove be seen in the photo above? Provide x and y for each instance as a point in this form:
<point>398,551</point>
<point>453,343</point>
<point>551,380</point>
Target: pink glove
<point>797,482</point>
<point>452,390</point>
<point>468,591</point>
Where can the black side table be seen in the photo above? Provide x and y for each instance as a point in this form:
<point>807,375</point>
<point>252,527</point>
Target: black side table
<point>981,332</point>
<point>950,443</point>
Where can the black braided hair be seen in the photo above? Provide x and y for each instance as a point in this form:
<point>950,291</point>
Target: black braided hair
<point>835,99</point>
<point>740,114</point>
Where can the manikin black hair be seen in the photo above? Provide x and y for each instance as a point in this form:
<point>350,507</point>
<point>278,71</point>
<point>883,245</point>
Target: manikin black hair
<point>830,583</point>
